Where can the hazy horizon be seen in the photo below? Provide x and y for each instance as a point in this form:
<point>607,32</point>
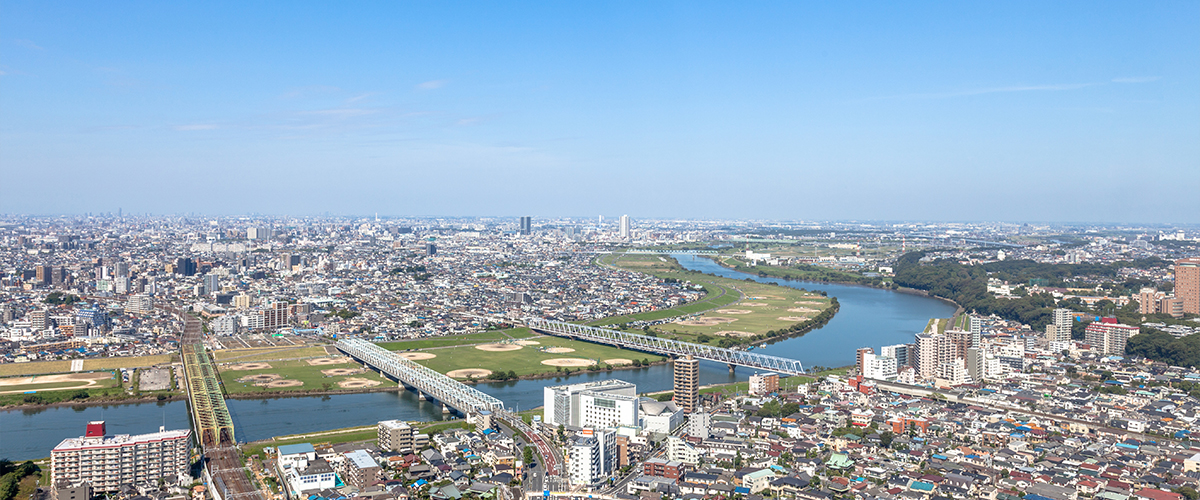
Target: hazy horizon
<point>1073,112</point>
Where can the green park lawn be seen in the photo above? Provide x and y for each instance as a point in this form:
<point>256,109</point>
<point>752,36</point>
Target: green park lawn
<point>528,359</point>
<point>268,353</point>
<point>300,370</point>
<point>458,340</point>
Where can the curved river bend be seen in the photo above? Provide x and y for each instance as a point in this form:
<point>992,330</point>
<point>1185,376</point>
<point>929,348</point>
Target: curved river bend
<point>868,317</point>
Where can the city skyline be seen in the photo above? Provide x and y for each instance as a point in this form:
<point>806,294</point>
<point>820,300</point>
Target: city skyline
<point>1069,112</point>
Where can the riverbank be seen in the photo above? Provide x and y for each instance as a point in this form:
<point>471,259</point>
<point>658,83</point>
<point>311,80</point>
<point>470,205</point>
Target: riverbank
<point>766,271</point>
<point>101,401</point>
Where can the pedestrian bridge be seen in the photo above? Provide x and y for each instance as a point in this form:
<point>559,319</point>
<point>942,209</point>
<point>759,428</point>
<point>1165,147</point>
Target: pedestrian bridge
<point>450,392</point>
<point>667,347</point>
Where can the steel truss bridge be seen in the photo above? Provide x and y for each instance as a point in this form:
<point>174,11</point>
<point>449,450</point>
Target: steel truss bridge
<point>223,467</point>
<point>211,417</point>
<point>446,390</point>
<point>666,346</point>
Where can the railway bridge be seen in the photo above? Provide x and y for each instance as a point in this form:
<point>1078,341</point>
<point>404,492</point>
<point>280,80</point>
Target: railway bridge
<point>223,469</point>
<point>666,347</point>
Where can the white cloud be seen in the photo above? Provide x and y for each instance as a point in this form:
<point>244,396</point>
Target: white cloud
<point>197,126</point>
<point>433,84</point>
<point>1136,79</point>
<point>29,44</point>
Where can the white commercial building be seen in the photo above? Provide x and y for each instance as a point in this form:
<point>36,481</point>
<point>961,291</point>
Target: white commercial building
<point>563,404</point>
<point>662,417</point>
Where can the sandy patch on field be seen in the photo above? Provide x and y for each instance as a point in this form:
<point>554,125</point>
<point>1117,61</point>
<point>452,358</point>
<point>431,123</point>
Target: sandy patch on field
<point>767,297</point>
<point>809,301</point>
<point>619,361</point>
<point>709,321</point>
<point>528,342</point>
<point>801,310</point>
<point>559,350</point>
<point>283,383</point>
<point>791,318</point>
<point>338,372</point>
<point>241,367</point>
<point>733,311</point>
<point>90,378</point>
<point>754,304</point>
<point>85,379</point>
<point>417,356</point>
<point>734,333</point>
<point>262,377</point>
<point>328,361</point>
<point>469,372</point>
<point>498,347</point>
<point>568,362</point>
<point>355,383</point>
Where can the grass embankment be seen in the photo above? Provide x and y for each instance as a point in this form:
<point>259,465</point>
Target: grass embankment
<point>800,272</point>
<point>739,312</point>
<point>83,387</point>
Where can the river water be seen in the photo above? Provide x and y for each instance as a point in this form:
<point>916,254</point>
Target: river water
<point>868,317</point>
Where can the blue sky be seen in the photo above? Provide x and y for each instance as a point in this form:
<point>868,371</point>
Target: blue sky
<point>1022,111</point>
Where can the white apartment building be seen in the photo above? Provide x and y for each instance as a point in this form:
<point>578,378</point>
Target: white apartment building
<point>106,462</point>
<point>879,367</point>
<point>592,456</point>
<point>395,435</point>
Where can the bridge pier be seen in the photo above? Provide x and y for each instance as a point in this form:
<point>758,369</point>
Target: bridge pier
<point>421,396</point>
<point>445,409</point>
<point>731,368</point>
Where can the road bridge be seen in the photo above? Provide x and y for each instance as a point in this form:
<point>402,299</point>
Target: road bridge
<point>666,347</point>
<point>449,392</point>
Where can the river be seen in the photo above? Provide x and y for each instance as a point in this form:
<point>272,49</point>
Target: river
<point>868,317</point>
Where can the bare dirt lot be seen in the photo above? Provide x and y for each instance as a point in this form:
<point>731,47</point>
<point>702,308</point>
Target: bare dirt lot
<point>155,379</point>
<point>338,372</point>
<point>559,350</point>
<point>619,361</point>
<point>733,311</point>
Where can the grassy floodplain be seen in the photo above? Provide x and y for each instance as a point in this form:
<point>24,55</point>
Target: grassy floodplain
<point>89,364</point>
<point>733,308</point>
<point>527,360</point>
<point>309,376</point>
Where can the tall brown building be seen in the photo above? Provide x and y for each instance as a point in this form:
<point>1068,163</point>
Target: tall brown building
<point>858,356</point>
<point>1187,283</point>
<point>687,383</point>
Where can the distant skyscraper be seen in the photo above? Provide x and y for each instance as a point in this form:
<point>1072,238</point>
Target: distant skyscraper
<point>185,266</point>
<point>526,225</point>
<point>687,383</point>
<point>1187,284</point>
<point>430,249</point>
<point>626,228</point>
<point>211,284</point>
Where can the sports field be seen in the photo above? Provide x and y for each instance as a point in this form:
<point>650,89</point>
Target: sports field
<point>89,364</point>
<point>457,340</point>
<point>732,308</point>
<point>529,356</point>
<point>57,382</point>
<point>313,374</point>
